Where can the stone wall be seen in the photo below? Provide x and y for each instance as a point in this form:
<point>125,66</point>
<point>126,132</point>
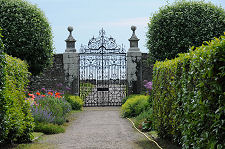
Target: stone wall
<point>146,68</point>
<point>52,78</point>
<point>143,72</point>
<point>65,69</point>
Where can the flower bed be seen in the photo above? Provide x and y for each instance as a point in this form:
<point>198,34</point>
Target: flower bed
<point>48,106</point>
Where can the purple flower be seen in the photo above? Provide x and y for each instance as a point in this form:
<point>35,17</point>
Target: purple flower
<point>50,91</point>
<point>145,81</point>
<point>148,86</point>
<point>41,114</point>
<point>67,88</point>
<point>59,85</point>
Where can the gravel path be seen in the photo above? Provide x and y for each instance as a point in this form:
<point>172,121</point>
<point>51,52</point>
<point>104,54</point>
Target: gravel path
<point>99,128</point>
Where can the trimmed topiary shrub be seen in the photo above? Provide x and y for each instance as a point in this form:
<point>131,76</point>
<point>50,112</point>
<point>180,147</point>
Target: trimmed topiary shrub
<point>27,33</point>
<point>189,97</point>
<point>16,121</point>
<point>135,105</point>
<point>75,101</point>
<point>177,27</point>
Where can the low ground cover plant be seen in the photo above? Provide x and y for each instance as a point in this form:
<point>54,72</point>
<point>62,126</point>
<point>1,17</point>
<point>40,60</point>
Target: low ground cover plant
<point>49,128</point>
<point>144,121</point>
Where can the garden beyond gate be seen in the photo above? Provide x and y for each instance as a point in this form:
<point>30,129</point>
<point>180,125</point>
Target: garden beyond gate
<point>103,78</point>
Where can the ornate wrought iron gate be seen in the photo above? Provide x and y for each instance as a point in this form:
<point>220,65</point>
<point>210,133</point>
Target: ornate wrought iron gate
<point>102,72</point>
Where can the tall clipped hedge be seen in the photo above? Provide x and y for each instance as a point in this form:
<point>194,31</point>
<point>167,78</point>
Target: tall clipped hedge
<point>177,27</point>
<point>2,79</point>
<point>16,121</point>
<point>189,97</point>
<point>2,61</point>
<point>27,33</point>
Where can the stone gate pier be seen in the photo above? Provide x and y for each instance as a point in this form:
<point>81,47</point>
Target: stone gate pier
<point>64,74</point>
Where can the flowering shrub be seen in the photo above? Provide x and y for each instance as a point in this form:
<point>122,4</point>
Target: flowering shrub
<point>148,86</point>
<point>48,106</point>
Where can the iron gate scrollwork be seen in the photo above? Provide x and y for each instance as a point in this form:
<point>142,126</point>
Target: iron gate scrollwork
<point>102,72</point>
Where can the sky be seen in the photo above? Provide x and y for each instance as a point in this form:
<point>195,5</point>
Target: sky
<point>87,17</point>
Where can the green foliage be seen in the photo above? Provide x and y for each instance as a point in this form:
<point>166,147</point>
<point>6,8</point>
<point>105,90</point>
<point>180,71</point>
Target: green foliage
<point>2,84</point>
<point>127,97</point>
<point>75,101</point>
<point>144,120</point>
<point>135,105</point>
<point>27,33</point>
<point>177,27</point>
<point>2,72</point>
<point>48,128</point>
<point>189,97</point>
<point>16,121</point>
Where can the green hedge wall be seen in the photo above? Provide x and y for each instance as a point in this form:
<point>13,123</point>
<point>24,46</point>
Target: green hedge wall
<point>2,83</point>
<point>189,97</point>
<point>2,61</point>
<point>16,121</point>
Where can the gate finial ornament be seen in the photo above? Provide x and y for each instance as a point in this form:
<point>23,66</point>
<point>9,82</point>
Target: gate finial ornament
<point>102,33</point>
<point>133,40</point>
<point>70,41</point>
<point>102,44</point>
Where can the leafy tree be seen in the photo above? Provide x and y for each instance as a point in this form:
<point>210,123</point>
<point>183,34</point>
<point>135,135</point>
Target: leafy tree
<point>26,33</point>
<point>177,27</point>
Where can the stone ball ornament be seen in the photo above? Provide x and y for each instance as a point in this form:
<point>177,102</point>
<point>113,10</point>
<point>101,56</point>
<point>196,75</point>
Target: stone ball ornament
<point>70,28</point>
<point>133,28</point>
